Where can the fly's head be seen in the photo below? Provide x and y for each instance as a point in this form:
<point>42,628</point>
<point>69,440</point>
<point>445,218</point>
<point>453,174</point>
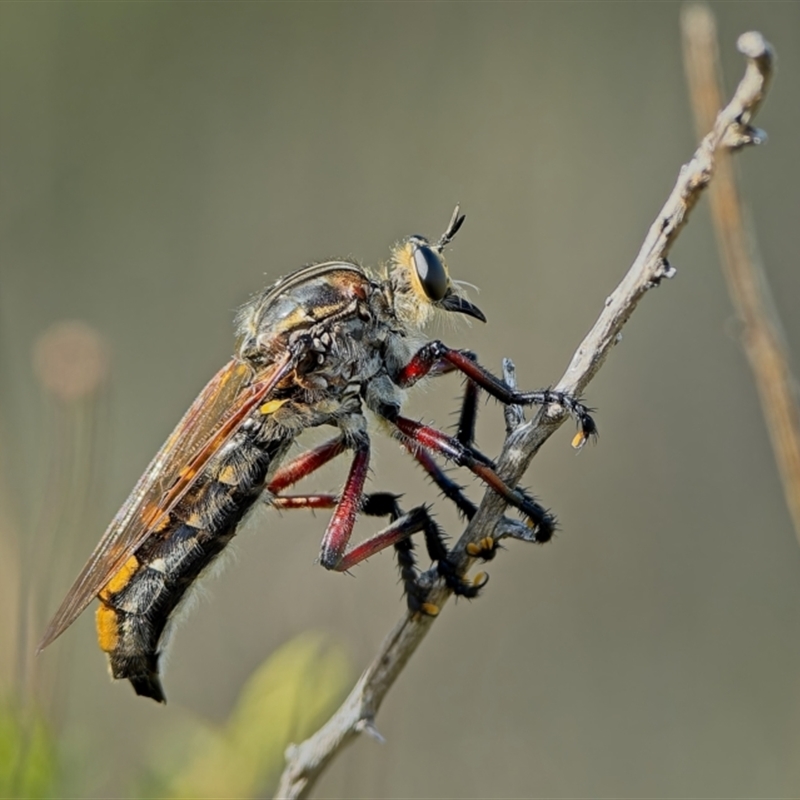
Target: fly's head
<point>420,281</point>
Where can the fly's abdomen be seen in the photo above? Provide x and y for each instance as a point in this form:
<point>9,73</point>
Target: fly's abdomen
<point>137,603</point>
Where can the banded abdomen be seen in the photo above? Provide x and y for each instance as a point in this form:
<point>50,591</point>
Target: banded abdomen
<point>137,603</point>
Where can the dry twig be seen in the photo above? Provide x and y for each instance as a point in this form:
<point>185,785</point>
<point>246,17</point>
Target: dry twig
<point>305,762</point>
<point>741,265</point>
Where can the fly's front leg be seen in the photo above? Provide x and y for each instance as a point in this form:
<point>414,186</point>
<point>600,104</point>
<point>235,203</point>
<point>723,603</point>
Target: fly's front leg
<point>468,412</point>
<point>468,415</point>
<point>434,352</point>
<point>448,487</point>
<point>397,534</point>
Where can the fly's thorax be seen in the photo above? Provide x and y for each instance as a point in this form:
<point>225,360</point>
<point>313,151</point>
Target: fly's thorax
<point>310,299</point>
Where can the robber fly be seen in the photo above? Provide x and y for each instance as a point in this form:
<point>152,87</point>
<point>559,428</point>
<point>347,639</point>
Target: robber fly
<point>318,347</point>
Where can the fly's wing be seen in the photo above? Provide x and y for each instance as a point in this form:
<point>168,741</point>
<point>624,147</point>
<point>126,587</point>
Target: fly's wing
<point>217,413</point>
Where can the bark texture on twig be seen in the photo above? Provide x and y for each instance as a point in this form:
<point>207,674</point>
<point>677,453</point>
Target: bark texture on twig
<point>731,130</point>
<point>762,332</point>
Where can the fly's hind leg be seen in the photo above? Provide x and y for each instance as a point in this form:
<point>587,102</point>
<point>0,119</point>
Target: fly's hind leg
<point>398,535</point>
<point>417,435</point>
<point>383,504</point>
<point>378,504</point>
<point>304,464</point>
<point>420,519</point>
<point>402,526</point>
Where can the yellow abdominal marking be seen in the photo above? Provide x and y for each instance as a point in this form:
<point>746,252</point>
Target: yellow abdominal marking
<point>107,628</point>
<point>163,525</point>
<point>106,617</point>
<point>271,407</point>
<point>119,581</point>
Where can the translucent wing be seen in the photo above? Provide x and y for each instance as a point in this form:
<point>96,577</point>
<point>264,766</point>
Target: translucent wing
<point>217,413</point>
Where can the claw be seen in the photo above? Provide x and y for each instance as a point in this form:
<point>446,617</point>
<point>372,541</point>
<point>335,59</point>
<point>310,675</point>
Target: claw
<point>480,580</point>
<point>579,440</point>
<point>484,549</point>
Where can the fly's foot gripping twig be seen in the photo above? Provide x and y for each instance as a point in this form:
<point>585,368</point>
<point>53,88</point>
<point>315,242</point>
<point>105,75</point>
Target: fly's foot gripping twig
<point>416,591</point>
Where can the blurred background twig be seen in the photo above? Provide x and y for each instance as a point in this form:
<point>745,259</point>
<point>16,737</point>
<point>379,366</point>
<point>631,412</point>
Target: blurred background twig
<point>762,333</point>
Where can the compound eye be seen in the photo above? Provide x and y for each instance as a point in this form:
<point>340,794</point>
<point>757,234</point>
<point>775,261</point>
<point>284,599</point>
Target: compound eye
<point>431,272</point>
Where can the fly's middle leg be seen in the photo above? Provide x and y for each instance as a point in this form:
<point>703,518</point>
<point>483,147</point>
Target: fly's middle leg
<point>419,438</point>
<point>334,553</point>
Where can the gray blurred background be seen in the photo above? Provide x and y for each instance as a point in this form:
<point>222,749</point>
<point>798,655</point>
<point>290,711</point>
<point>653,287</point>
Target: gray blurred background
<point>160,162</point>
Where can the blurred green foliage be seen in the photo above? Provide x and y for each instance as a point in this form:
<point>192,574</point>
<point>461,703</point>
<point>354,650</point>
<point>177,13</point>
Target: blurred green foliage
<point>283,701</point>
<point>27,753</point>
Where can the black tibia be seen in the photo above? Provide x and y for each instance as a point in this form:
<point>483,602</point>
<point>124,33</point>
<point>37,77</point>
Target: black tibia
<point>449,488</point>
<point>454,492</point>
<point>465,435</point>
<point>468,414</point>
<point>432,353</point>
<point>382,504</point>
